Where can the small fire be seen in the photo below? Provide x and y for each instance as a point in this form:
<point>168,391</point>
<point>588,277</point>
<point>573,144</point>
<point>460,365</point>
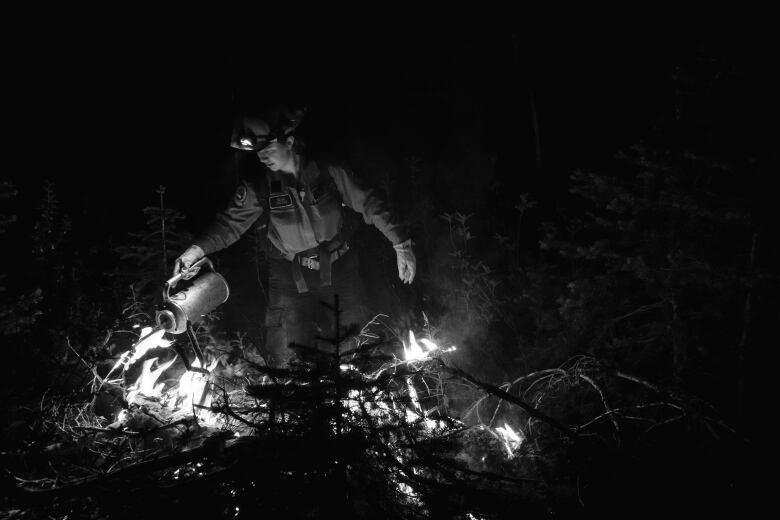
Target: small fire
<point>512,440</point>
<point>419,413</point>
<point>146,382</point>
<point>413,415</point>
<point>194,390</point>
<point>150,338</point>
<point>415,352</point>
<point>188,396</point>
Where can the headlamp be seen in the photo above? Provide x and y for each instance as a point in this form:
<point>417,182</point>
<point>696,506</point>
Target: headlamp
<point>252,143</point>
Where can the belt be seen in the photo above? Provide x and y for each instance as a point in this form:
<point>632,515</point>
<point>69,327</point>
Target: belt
<point>313,262</point>
<point>320,262</point>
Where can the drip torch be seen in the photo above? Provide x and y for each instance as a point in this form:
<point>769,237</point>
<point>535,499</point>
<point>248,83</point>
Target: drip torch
<point>207,291</point>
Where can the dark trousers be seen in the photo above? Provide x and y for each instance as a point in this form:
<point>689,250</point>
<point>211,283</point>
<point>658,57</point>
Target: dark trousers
<point>294,317</point>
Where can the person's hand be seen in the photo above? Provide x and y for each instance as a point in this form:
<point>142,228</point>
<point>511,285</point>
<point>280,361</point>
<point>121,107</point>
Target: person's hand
<point>407,263</point>
<point>189,257</point>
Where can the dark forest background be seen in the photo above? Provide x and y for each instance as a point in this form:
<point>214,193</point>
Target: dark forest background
<point>568,193</point>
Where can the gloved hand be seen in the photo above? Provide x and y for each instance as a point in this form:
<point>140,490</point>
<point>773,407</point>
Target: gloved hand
<point>189,257</point>
<point>407,263</point>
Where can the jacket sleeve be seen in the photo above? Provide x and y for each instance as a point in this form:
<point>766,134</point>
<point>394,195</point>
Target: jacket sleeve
<point>228,225</point>
<point>365,201</point>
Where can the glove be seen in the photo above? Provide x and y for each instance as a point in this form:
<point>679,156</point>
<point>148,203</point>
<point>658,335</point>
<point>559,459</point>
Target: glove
<point>189,257</point>
<point>407,263</point>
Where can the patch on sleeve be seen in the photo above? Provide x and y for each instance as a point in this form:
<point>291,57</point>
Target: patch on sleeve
<point>240,196</point>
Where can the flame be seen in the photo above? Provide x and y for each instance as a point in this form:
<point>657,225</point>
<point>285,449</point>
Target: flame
<point>146,382</point>
<point>150,338</point>
<point>430,345</point>
<point>512,440</point>
<point>192,395</point>
<point>419,413</point>
<point>194,390</point>
<point>415,352</point>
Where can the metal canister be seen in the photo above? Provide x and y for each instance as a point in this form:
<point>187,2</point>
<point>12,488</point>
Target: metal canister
<point>208,291</point>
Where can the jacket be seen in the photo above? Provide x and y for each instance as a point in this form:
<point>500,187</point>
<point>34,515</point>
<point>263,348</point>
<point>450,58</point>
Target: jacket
<point>302,213</point>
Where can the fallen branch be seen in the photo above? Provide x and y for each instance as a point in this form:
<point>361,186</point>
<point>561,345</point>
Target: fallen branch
<point>637,380</point>
<point>545,372</point>
<point>616,411</point>
<point>76,487</point>
<point>607,408</point>
<point>530,410</point>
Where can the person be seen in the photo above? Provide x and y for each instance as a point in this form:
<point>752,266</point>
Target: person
<point>311,258</point>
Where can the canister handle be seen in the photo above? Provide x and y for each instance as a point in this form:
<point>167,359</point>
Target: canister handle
<point>169,284</point>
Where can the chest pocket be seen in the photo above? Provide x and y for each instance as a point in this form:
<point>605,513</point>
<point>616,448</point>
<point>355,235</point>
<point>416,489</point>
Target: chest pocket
<point>280,201</point>
<point>289,227</point>
<point>325,208</point>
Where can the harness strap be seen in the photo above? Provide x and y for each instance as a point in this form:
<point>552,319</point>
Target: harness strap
<point>297,275</point>
<point>323,262</point>
<point>325,271</point>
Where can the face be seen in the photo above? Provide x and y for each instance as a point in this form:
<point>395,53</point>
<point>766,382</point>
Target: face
<point>277,155</point>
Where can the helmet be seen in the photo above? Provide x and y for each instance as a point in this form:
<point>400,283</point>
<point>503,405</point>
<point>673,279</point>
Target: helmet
<point>253,130</point>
